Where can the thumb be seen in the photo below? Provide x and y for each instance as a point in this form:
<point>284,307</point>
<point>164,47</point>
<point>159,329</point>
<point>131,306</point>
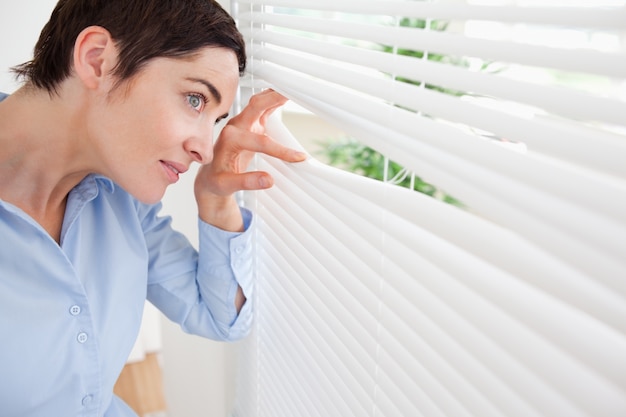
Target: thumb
<point>257,180</point>
<point>227,183</point>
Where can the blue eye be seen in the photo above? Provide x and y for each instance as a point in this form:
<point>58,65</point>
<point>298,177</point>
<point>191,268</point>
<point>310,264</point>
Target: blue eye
<point>196,101</point>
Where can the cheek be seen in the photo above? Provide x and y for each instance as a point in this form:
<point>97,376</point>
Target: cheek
<point>144,131</point>
<point>167,133</point>
<point>149,132</point>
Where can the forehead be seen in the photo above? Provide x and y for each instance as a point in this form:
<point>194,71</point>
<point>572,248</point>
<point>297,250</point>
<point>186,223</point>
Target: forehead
<point>217,66</point>
<point>218,59</point>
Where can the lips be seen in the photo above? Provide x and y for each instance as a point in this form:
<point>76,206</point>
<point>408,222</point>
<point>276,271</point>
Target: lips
<point>173,169</point>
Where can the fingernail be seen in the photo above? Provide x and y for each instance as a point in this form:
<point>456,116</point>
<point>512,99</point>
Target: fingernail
<point>264,182</point>
<point>300,155</point>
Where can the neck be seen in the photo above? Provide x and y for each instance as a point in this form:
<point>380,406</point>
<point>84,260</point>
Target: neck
<point>41,156</point>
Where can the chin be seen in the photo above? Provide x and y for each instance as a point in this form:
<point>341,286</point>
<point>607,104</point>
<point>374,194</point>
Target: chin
<point>147,192</point>
<point>148,196</point>
<point>151,199</point>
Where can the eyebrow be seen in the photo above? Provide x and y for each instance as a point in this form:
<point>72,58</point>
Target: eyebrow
<point>214,91</point>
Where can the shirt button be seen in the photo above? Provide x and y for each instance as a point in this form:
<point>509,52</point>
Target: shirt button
<point>75,310</point>
<point>82,337</point>
<point>238,249</point>
<point>87,399</point>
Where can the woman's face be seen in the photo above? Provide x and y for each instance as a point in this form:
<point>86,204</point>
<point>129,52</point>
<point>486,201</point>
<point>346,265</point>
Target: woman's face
<point>149,131</point>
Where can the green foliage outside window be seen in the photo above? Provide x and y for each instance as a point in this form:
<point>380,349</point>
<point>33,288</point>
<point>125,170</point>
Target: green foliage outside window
<point>349,154</point>
<point>353,156</point>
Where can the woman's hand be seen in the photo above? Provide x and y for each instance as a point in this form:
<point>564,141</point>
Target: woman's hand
<point>241,138</point>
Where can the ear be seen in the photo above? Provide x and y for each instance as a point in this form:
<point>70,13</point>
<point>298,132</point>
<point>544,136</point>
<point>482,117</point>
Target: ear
<point>95,55</point>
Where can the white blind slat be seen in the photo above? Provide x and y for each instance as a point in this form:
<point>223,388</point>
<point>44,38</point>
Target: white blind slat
<point>511,203</point>
<point>589,61</point>
<point>613,17</point>
<point>364,198</point>
<point>336,399</point>
<point>450,139</point>
<point>549,327</point>
<point>557,100</point>
<point>543,273</point>
<point>374,300</point>
<point>524,341</point>
<point>546,136</point>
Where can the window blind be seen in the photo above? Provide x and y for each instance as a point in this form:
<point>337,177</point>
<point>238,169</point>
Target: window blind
<point>375,300</point>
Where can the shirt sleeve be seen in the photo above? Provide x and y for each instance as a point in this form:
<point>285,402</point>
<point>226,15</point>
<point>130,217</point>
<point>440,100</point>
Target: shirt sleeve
<point>197,289</point>
<point>225,262</point>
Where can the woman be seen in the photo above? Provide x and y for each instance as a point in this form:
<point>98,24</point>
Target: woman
<point>120,99</point>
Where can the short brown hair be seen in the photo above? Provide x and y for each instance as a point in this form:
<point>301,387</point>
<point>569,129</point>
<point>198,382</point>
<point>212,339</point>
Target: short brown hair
<point>141,29</point>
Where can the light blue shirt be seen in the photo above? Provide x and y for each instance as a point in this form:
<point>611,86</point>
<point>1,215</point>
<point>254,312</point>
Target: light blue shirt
<point>70,313</point>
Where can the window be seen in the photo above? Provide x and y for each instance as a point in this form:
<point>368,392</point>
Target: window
<point>374,300</point>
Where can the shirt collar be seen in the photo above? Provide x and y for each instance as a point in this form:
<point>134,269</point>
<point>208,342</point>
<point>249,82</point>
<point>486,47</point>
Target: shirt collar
<point>108,183</point>
<point>88,188</point>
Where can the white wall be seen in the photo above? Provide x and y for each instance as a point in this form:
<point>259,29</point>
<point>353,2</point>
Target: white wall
<point>198,375</point>
<point>198,380</point>
<point>21,23</point>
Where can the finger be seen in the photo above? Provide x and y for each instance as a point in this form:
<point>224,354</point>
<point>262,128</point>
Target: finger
<point>239,140</point>
<point>259,107</point>
<point>268,146</point>
<point>262,107</point>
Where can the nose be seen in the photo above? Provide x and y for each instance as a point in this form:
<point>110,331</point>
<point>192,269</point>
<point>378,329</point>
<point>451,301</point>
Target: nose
<point>200,147</point>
